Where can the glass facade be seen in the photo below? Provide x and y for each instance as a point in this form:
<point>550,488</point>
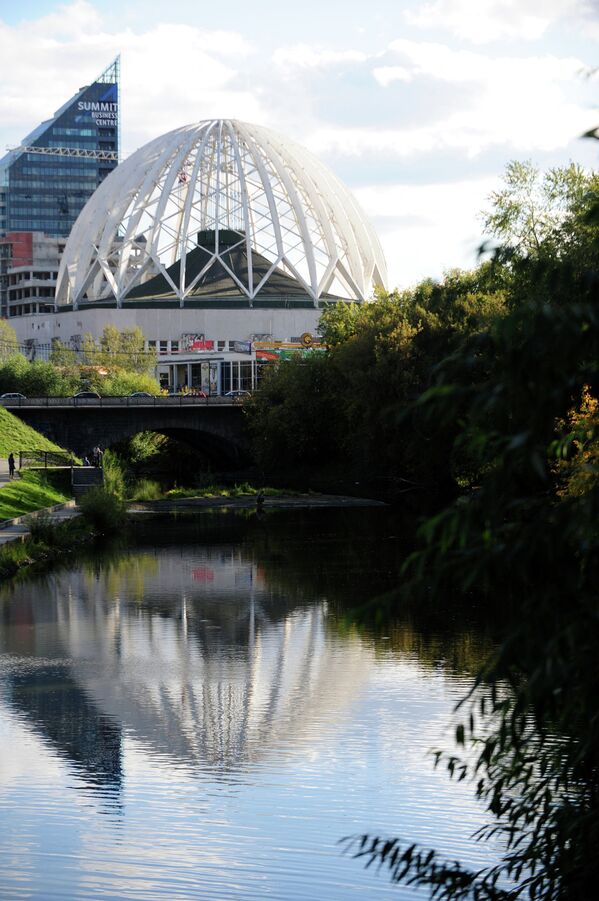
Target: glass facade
<point>46,192</point>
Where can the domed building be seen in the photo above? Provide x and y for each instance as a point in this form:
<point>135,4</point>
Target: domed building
<point>220,239</point>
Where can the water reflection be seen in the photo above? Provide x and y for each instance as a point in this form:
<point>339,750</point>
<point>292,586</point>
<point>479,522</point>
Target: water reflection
<point>192,653</point>
<point>191,718</point>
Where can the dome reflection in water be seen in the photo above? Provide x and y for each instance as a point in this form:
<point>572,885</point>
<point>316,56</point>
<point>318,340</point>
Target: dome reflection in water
<point>192,718</point>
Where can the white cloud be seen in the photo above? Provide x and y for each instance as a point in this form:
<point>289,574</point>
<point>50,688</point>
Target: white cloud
<point>198,73</point>
<point>490,20</point>
<point>445,231</point>
<point>305,56</point>
<point>522,103</point>
<point>386,75</point>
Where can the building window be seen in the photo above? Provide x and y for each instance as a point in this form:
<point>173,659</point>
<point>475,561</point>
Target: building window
<point>152,346</point>
<point>225,374</point>
<point>163,347</point>
<point>220,345</point>
<point>174,347</point>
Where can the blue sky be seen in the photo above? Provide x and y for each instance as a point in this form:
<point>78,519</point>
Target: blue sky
<point>417,106</point>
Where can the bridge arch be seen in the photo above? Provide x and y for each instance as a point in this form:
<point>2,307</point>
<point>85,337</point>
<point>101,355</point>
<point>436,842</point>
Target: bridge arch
<point>218,430</point>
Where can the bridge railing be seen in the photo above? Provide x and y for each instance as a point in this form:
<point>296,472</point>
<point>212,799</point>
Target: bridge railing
<point>187,400</point>
<point>45,459</point>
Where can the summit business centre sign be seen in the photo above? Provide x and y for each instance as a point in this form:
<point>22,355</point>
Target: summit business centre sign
<point>105,113</point>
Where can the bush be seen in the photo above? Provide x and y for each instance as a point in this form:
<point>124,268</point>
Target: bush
<point>120,383</point>
<point>115,475</point>
<point>147,490</point>
<point>103,510</point>
<point>41,527</point>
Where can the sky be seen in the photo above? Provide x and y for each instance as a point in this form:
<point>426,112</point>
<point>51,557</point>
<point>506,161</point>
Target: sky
<point>416,106</point>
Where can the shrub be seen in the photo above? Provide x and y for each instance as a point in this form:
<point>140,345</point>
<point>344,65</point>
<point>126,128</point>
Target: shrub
<point>41,527</point>
<point>147,490</point>
<point>115,475</point>
<point>103,510</point>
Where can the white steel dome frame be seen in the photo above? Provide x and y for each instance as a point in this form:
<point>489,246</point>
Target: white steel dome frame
<point>220,174</point>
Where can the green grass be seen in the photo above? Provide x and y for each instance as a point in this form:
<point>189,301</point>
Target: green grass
<point>31,492</point>
<point>15,436</point>
<point>215,491</point>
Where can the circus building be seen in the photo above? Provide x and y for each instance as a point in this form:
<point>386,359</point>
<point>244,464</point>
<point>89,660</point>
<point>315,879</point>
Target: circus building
<point>223,241</point>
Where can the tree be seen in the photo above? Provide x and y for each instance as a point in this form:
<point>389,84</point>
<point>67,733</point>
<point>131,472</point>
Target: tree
<point>526,542</point>
<point>353,408</point>
<point>8,340</point>
<point>123,350</point>
<point>527,213</point>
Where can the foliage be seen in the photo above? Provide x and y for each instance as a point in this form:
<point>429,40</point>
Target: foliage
<point>31,492</point>
<point>145,446</point>
<point>146,490</point>
<point>115,475</point>
<point>103,510</point>
<point>37,379</point>
<point>8,340</point>
<point>63,355</point>
<point>123,350</point>
<point>41,527</point>
<point>579,467</point>
<point>120,383</point>
<point>293,417</point>
<point>520,542</point>
<point>354,407</point>
<point>117,366</point>
<point>527,213</point>
<point>216,491</point>
<point>15,436</point>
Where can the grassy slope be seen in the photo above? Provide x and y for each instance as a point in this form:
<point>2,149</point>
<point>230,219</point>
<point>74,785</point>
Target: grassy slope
<point>15,436</point>
<point>31,492</point>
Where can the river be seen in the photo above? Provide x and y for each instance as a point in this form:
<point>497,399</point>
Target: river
<point>192,715</point>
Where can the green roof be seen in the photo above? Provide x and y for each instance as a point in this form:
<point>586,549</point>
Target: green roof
<point>217,281</point>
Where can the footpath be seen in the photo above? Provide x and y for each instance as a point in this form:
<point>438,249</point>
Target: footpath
<point>17,529</point>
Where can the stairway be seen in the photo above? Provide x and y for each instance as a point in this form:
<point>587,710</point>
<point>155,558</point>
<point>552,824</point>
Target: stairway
<point>85,477</point>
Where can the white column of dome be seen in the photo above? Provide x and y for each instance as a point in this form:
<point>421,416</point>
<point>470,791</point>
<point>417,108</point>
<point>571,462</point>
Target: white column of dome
<point>315,174</point>
<point>219,192</point>
<point>245,207</point>
<point>74,265</point>
<point>217,189</point>
<point>77,270</point>
<point>321,203</point>
<point>336,199</point>
<point>170,172</point>
<point>367,231</point>
<point>217,216</point>
<point>209,175</point>
<point>143,194</point>
<point>322,217</point>
<point>224,124</point>
<point>354,219</point>
<point>127,187</point>
<point>255,154</point>
<point>359,237</point>
<point>280,166</point>
<point>189,205</point>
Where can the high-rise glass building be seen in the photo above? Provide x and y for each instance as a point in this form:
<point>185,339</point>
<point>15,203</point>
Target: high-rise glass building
<point>45,183</point>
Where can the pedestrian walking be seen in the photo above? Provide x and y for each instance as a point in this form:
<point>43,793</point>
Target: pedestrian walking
<point>11,466</point>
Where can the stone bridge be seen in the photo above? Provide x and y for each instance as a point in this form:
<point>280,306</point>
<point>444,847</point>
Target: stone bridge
<point>214,425</point>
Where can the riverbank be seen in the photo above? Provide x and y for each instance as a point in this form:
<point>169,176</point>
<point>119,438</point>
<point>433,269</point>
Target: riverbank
<point>29,493</point>
<point>275,502</point>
